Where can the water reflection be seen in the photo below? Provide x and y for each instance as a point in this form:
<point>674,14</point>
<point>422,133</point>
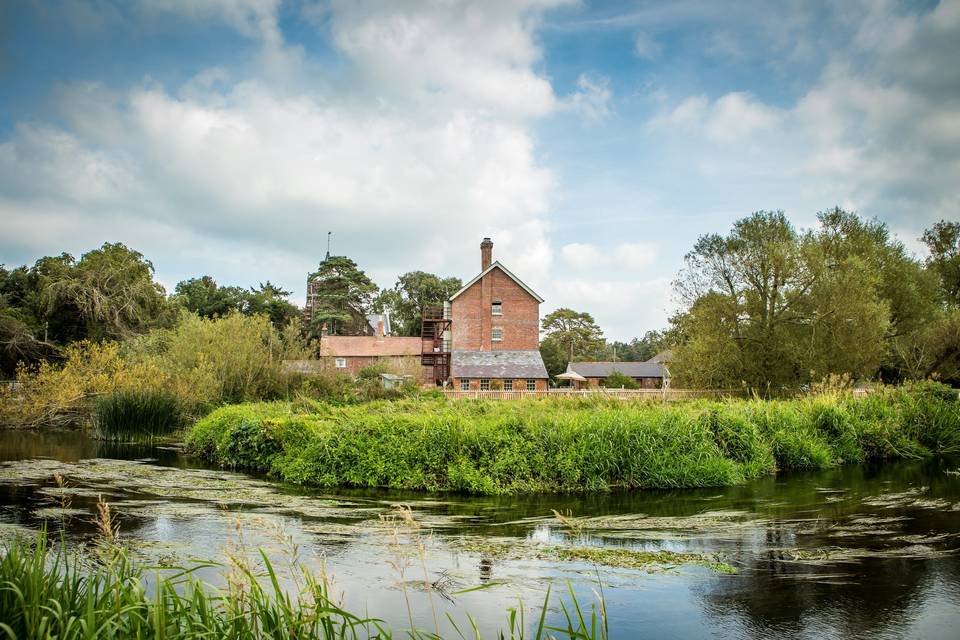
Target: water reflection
<point>852,552</point>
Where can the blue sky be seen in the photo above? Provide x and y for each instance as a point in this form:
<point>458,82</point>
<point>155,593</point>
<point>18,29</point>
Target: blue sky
<point>593,141</point>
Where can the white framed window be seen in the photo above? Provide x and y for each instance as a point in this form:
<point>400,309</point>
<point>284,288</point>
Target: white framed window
<point>531,385</point>
<point>508,385</point>
<point>464,384</point>
<point>484,384</point>
<point>496,308</point>
<point>496,334</point>
<point>340,363</point>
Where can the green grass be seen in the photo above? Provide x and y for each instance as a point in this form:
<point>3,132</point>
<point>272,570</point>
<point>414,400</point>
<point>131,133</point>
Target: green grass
<point>136,416</point>
<point>496,447</point>
<point>47,593</point>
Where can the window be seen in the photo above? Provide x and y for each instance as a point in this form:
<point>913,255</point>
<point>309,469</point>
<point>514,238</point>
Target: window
<point>497,334</point>
<point>496,308</point>
<point>341,363</point>
<point>531,385</point>
<point>484,384</point>
<point>508,385</point>
<point>464,384</point>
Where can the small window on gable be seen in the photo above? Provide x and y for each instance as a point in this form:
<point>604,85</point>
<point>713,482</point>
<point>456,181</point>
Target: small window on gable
<point>484,384</point>
<point>496,308</point>
<point>497,334</point>
<point>464,384</point>
<point>508,385</point>
<point>341,363</point>
<point>531,385</point>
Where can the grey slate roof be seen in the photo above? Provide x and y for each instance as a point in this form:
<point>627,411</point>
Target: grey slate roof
<point>632,369</point>
<point>497,364</point>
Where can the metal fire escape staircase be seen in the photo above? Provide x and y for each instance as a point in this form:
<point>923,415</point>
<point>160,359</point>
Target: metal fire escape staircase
<point>435,351</point>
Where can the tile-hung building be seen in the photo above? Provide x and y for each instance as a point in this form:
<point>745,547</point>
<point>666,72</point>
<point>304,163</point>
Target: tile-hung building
<point>488,335</point>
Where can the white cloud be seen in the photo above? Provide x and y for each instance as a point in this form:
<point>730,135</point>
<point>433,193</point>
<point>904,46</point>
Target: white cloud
<point>423,153</point>
<point>731,118</point>
<point>646,46</point>
<point>591,99</point>
<point>585,256</point>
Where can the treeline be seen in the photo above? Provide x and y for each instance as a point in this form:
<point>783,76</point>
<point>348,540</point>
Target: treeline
<point>771,308</point>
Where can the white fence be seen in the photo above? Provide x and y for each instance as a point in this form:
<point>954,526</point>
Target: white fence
<point>662,395</point>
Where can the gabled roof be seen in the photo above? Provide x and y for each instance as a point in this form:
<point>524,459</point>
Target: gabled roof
<point>373,318</point>
<point>664,356</point>
<point>497,265</point>
<point>346,346</point>
<point>632,369</point>
<point>497,364</point>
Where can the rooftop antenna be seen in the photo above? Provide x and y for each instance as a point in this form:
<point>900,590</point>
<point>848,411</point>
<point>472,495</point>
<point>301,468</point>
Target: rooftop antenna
<point>329,233</point>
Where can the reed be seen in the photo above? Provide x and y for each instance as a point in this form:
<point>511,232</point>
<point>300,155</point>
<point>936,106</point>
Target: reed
<point>556,444</point>
<point>48,592</point>
<point>136,416</point>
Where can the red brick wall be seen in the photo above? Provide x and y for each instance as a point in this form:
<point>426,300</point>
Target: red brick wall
<point>473,321</point>
<point>518,384</point>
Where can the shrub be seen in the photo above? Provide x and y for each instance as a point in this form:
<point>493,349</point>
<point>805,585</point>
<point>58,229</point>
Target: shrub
<point>618,380</point>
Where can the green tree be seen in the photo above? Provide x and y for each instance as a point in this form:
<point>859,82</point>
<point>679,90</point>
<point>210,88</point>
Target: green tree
<point>342,295</point>
<point>113,289</point>
<point>271,301</point>
<point>412,292</point>
<point>639,349</point>
<point>205,298</point>
<point>771,308</point>
<point>570,333</point>
<point>943,241</point>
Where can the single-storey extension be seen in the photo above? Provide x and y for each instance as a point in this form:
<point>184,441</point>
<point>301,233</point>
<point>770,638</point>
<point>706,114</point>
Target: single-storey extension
<point>649,375</point>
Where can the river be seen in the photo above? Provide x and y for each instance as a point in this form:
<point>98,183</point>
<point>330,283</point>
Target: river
<point>855,552</point>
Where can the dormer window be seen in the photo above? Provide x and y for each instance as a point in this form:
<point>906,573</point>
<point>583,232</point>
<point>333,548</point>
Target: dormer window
<point>496,308</point>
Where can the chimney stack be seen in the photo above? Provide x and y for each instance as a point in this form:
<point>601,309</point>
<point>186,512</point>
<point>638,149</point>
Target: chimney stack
<point>486,253</point>
<point>379,327</point>
<point>323,330</point>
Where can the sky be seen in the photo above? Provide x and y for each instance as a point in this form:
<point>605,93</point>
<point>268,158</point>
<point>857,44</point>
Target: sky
<point>594,142</point>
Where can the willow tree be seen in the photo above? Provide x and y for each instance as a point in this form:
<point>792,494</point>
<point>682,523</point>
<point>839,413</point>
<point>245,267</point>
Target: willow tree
<point>113,290</point>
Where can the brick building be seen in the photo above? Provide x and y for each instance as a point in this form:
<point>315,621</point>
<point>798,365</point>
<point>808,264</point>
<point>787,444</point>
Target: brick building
<point>350,354</point>
<point>488,334</point>
<point>648,375</point>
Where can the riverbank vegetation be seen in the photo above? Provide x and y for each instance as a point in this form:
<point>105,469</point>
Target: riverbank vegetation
<point>495,447</point>
<point>52,593</point>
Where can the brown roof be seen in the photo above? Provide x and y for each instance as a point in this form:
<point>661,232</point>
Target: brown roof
<point>369,346</point>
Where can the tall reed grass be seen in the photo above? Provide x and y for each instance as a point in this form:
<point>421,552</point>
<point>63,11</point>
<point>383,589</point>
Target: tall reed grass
<point>47,592</point>
<point>136,416</point>
<point>492,447</point>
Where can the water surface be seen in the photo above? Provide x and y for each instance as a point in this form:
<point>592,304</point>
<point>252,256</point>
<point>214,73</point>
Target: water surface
<point>856,552</point>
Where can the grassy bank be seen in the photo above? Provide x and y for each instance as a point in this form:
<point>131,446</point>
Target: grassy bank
<point>492,447</point>
<point>48,593</point>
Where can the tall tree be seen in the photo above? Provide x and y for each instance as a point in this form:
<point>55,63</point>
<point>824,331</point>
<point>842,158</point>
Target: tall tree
<point>412,292</point>
<point>113,289</point>
<point>569,335</point>
<point>943,241</point>
<point>342,295</point>
<point>771,308</point>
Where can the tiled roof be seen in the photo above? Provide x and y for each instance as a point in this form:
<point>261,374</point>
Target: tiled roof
<point>345,346</point>
<point>497,364</point>
<point>632,369</point>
